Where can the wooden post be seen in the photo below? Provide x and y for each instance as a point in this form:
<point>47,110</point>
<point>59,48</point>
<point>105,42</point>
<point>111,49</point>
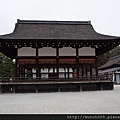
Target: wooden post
<point>77,61</point>
<point>36,90</point>
<point>58,88</point>
<point>37,68</point>
<point>54,75</point>
<point>24,72</point>
<point>65,72</point>
<point>90,69</point>
<point>82,70</point>
<point>21,75</point>
<point>101,86</point>
<point>13,89</point>
<point>86,71</point>
<point>57,61</point>
<point>96,65</point>
<point>19,69</point>
<point>68,72</point>
<point>16,64</point>
<point>80,87</point>
<point>40,72</point>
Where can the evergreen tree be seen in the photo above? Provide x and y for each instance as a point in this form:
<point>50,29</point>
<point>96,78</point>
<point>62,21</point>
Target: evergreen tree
<point>115,51</point>
<point>102,59</point>
<point>6,65</point>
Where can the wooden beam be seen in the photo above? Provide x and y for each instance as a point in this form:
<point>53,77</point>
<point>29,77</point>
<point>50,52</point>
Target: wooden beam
<point>77,61</point>
<point>90,69</point>
<point>16,64</point>
<point>57,61</point>
<point>82,70</point>
<point>86,70</point>
<point>96,65</point>
<point>37,68</point>
<point>68,71</point>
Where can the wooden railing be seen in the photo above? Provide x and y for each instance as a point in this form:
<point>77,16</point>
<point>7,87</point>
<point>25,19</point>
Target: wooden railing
<point>52,79</point>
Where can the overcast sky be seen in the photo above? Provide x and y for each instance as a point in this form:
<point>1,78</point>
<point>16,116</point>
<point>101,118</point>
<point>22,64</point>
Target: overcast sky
<point>103,14</point>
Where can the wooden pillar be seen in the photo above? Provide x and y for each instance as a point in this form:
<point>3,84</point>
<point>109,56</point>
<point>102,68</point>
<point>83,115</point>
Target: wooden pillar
<point>40,72</point>
<point>90,69</point>
<point>101,86</point>
<point>16,64</point>
<point>57,61</point>
<point>23,71</point>
<point>64,72</point>
<point>72,74</point>
<point>36,89</point>
<point>14,89</point>
<point>68,72</point>
<point>58,87</point>
<point>53,71</point>
<point>80,87</point>
<point>82,70</point>
<point>37,67</point>
<point>86,70</point>
<point>77,61</point>
<point>96,65</point>
<point>49,72</point>
<point>19,69</point>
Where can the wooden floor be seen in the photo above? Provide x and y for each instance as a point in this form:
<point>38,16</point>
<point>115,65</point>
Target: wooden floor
<point>54,85</point>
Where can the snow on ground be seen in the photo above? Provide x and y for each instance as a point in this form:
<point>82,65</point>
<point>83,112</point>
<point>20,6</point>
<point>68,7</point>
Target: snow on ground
<point>62,102</point>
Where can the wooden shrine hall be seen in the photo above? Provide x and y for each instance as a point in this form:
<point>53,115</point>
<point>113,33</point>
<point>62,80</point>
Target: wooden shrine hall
<point>55,56</point>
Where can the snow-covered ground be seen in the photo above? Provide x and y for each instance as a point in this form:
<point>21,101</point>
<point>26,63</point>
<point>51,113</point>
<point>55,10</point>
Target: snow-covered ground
<point>62,102</point>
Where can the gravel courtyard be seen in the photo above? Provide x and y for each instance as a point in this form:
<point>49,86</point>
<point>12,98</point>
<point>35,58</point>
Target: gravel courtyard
<point>62,102</point>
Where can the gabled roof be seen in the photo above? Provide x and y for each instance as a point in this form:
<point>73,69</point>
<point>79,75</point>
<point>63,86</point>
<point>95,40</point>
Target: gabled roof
<point>77,30</point>
<point>109,70</point>
<point>113,62</point>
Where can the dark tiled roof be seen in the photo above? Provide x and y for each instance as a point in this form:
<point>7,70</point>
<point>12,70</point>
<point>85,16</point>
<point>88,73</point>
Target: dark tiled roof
<point>78,30</point>
<point>114,61</point>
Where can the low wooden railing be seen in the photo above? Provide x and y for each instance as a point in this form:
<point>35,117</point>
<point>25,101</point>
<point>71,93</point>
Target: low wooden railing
<point>52,79</point>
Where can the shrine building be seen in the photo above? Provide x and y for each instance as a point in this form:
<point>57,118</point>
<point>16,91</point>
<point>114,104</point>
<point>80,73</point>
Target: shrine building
<point>55,56</point>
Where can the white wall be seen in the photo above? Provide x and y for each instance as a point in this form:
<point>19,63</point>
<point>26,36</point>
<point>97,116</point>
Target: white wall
<point>86,51</point>
<point>26,51</point>
<point>47,51</point>
<point>67,51</point>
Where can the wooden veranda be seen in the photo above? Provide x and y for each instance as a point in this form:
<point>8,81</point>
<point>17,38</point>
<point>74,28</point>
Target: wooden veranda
<point>19,85</point>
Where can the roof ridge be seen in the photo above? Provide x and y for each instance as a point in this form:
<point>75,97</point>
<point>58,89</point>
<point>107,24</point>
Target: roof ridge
<point>51,22</point>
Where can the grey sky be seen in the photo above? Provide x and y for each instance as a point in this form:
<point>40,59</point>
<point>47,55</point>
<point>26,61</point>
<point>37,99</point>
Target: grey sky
<point>104,14</point>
